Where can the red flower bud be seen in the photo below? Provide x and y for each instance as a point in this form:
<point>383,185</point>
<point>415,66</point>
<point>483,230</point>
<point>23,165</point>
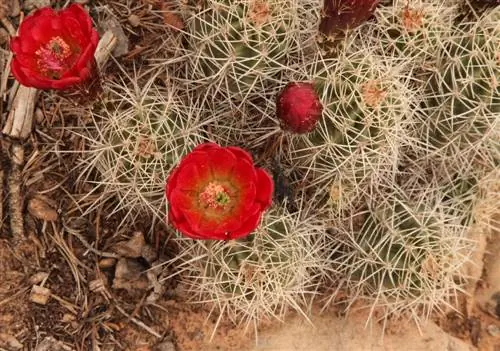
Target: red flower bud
<point>55,49</point>
<point>217,193</point>
<point>298,107</point>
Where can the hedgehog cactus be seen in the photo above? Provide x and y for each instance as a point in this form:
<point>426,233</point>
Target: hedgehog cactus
<point>141,133</point>
<point>405,256</point>
<point>260,276</point>
<point>240,46</point>
<point>412,32</point>
<point>365,105</point>
<point>464,93</point>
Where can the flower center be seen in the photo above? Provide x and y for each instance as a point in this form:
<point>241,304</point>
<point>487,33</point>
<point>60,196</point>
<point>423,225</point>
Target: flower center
<point>215,196</point>
<point>53,57</point>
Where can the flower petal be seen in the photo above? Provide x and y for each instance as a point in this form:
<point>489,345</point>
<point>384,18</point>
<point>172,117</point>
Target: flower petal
<point>206,147</point>
<point>243,174</point>
<point>265,188</point>
<point>222,162</point>
<point>248,226</point>
<point>240,153</point>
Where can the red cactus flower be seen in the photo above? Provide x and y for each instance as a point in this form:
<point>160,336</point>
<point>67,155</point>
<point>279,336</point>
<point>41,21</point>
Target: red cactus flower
<point>341,15</point>
<point>217,193</point>
<point>55,49</point>
<point>298,107</point>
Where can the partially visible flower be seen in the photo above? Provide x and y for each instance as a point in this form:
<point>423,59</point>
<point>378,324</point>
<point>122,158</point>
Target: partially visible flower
<point>55,49</point>
<point>341,15</point>
<point>298,107</point>
<point>217,193</point>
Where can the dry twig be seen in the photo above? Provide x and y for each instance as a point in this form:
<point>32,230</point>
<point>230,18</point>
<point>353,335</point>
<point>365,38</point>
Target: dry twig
<point>15,198</point>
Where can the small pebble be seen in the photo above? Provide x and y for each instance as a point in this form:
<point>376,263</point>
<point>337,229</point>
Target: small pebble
<point>493,330</point>
<point>134,20</point>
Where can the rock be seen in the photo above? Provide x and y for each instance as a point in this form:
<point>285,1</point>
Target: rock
<point>165,346</point>
<point>43,208</point>
<point>131,248</point>
<point>9,342</point>
<point>493,330</point>
<point>129,275</point>
<point>134,20</point>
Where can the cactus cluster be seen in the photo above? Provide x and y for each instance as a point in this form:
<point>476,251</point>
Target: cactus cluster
<point>137,136</point>
<point>237,47</point>
<point>405,255</point>
<point>386,142</point>
<point>264,275</point>
<point>412,32</point>
<point>365,109</point>
<point>463,102</point>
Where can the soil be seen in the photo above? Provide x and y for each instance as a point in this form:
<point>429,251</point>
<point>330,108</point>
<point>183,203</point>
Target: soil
<point>86,311</point>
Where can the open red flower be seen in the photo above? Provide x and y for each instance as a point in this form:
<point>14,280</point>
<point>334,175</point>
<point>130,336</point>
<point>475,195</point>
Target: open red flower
<point>55,49</point>
<point>217,193</point>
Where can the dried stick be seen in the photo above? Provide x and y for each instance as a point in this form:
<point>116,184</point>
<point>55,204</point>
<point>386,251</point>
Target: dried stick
<point>15,198</point>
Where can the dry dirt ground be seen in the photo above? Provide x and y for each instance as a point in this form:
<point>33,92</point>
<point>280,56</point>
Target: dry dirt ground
<point>56,294</point>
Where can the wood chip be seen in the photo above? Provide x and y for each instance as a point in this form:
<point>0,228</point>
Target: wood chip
<point>40,295</point>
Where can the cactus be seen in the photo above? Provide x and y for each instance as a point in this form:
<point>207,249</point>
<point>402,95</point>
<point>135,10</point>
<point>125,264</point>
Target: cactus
<point>365,107</point>
<point>275,269</point>
<point>464,93</point>
<point>238,46</point>
<point>137,136</point>
<point>407,256</point>
<point>412,32</point>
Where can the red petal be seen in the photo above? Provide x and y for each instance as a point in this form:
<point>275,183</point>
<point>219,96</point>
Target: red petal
<point>32,21</point>
<point>85,58</point>
<point>73,30</point>
<point>240,153</point>
<point>79,13</point>
<point>222,162</point>
<point>265,188</point>
<point>42,32</point>
<point>185,229</point>
<point>28,78</point>
<point>206,146</point>
<point>193,175</point>
<point>247,227</point>
<point>243,174</point>
<point>181,200</point>
<point>171,182</point>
